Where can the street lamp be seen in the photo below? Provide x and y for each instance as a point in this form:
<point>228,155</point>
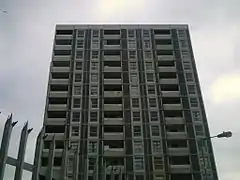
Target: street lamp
<point>224,134</point>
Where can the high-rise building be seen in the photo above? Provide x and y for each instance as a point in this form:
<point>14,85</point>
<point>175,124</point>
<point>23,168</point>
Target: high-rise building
<point>124,102</point>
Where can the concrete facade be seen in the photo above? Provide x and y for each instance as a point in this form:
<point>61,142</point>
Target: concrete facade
<point>123,102</point>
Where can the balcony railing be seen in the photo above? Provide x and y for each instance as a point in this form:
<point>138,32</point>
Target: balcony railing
<point>60,69</point>
<point>113,136</point>
<point>113,107</point>
<point>59,81</point>
<point>167,69</point>
<point>168,81</point>
<point>174,120</point>
<point>112,93</point>
<point>165,57</point>
<point>112,69</point>
<point>58,93</point>
<point>170,93</point>
<point>176,135</point>
<point>112,81</point>
<point>114,152</point>
<point>112,58</point>
<point>180,168</point>
<point>178,151</point>
<point>113,121</point>
<point>172,106</point>
<point>167,47</point>
<point>62,58</point>
<point>58,107</point>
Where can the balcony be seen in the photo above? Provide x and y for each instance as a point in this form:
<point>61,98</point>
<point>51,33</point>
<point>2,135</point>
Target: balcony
<point>180,168</point>
<point>165,57</point>
<point>167,69</point>
<point>170,93</point>
<point>113,152</point>
<point>168,81</point>
<point>63,47</point>
<point>57,152</point>
<point>112,69</point>
<point>167,46</point>
<point>112,93</point>
<point>174,120</point>
<point>178,151</point>
<point>119,168</point>
<point>113,107</point>
<point>62,58</point>
<point>113,121</point>
<point>60,69</point>
<point>56,121</point>
<point>176,135</point>
<point>113,136</point>
<point>112,81</point>
<point>112,58</point>
<point>172,106</point>
<point>59,81</point>
<point>57,107</point>
<point>58,93</point>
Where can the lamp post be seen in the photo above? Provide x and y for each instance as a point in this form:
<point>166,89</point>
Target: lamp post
<point>224,134</point>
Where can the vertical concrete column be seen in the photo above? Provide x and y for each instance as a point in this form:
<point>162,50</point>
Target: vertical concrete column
<point>36,165</point>
<point>49,174</point>
<point>75,164</point>
<point>21,152</point>
<point>5,144</point>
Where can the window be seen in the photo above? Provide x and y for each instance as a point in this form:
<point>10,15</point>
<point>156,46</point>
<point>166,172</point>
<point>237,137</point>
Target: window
<point>95,33</point>
<point>94,103</point>
<point>78,65</point>
<point>94,77</point>
<point>132,44</point>
<point>80,43</point>
<point>136,116</point>
<point>146,44</point>
<point>156,146</point>
<point>149,65</point>
<point>75,131</point>
<point>158,163</point>
<point>139,177</point>
<point>147,55</point>
<point>154,115</point>
<point>138,163</point>
<point>181,33</point>
<point>183,44</point>
<point>152,102</point>
<point>70,163</point>
<point>189,77</point>
<point>95,55</point>
<point>155,130</point>
<point>77,90</point>
<point>196,115</point>
<point>138,146</point>
<point>150,77</point>
<point>185,54</point>
<point>79,55</point>
<point>134,77</point>
<point>92,147</point>
<point>133,65</point>
<point>94,65</point>
<point>187,65</point>
<point>78,77</point>
<point>202,146</point>
<point>81,33</point>
<point>76,116</point>
<point>135,102</point>
<point>159,177</point>
<point>199,130</point>
<point>132,54</point>
<point>151,89</point>
<point>94,90</point>
<point>137,131</point>
<point>134,89</point>
<point>204,163</point>
<point>146,33</point>
<point>74,144</point>
<point>91,163</point>
<point>193,102</point>
<point>191,89</point>
<point>93,116</point>
<point>95,43</point>
<point>77,103</point>
<point>93,131</point>
<point>131,33</point>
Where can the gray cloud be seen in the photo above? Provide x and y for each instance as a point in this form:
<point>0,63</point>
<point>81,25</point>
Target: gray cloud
<point>25,52</point>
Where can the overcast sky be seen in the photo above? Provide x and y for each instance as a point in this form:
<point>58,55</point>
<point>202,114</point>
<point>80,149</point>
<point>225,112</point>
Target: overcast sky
<point>26,37</point>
